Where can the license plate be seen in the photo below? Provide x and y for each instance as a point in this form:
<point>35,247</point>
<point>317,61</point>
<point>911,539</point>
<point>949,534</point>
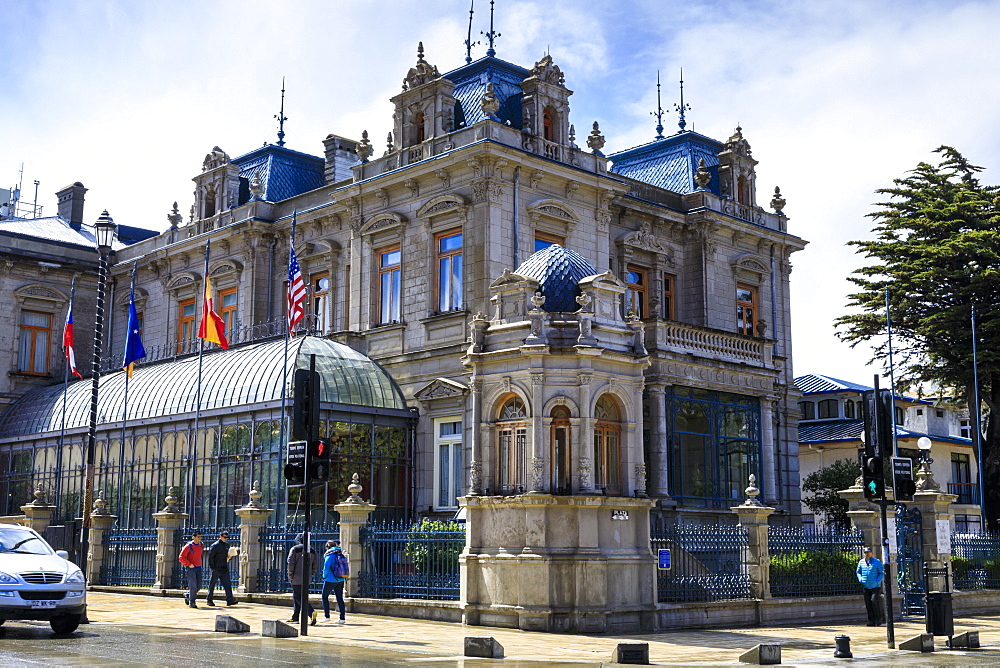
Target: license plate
<point>43,604</point>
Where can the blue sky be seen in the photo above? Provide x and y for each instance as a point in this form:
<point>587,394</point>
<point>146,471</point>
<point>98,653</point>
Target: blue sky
<point>836,98</point>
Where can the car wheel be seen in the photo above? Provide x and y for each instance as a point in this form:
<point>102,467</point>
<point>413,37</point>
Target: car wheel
<point>64,623</point>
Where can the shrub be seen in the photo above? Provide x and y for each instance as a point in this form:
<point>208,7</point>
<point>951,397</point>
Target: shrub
<point>820,567</point>
<point>434,546</point>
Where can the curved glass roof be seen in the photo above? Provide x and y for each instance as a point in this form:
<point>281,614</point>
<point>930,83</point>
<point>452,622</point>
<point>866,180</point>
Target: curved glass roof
<point>240,376</point>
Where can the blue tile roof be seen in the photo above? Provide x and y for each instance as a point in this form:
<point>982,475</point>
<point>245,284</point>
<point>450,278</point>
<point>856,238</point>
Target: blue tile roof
<point>827,431</point>
<point>470,86</point>
<point>283,172</point>
<point>671,163</point>
<point>816,383</point>
<point>558,271</point>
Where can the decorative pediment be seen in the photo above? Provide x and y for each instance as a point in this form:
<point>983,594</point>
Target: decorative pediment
<point>442,204</point>
<point>223,267</point>
<point>548,71</point>
<point>553,208</point>
<point>217,158</point>
<point>140,297</point>
<point>752,264</point>
<point>510,278</point>
<point>383,221</point>
<point>420,73</point>
<point>644,239</point>
<point>182,280</point>
<point>441,388</point>
<point>40,292</point>
<point>605,280</point>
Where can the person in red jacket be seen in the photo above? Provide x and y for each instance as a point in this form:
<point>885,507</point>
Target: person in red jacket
<point>190,558</point>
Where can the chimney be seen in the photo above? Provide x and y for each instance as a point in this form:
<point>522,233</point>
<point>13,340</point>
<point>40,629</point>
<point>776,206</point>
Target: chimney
<point>70,201</point>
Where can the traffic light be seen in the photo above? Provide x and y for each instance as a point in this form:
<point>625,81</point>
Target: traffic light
<point>873,478</point>
<point>877,413</point>
<point>305,407</point>
<point>319,460</point>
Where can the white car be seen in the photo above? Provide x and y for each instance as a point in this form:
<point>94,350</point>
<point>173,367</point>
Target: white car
<point>36,582</point>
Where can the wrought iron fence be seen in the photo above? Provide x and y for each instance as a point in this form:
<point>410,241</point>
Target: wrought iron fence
<point>275,542</point>
<point>813,563</point>
<point>208,536</point>
<point>129,557</point>
<point>402,560</point>
<point>707,562</point>
<point>975,560</point>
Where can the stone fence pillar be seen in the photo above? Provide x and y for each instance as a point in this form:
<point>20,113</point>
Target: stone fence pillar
<point>253,516</point>
<point>100,521</point>
<point>38,513</point>
<point>753,517</point>
<point>354,513</point>
<point>936,516</point>
<point>168,521</point>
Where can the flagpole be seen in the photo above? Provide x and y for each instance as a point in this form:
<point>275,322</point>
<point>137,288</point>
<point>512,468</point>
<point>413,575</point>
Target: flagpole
<point>892,374</point>
<point>197,409</point>
<point>62,430</point>
<point>284,369</point>
<point>122,508</point>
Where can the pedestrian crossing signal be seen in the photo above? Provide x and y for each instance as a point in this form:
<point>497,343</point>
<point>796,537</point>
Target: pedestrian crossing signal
<point>319,459</point>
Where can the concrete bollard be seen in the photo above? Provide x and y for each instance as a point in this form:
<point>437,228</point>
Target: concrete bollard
<point>483,647</point>
<point>275,628</point>
<point>229,624</point>
<point>919,643</point>
<point>764,654</point>
<point>631,652</point>
<point>843,650</point>
<point>965,640</point>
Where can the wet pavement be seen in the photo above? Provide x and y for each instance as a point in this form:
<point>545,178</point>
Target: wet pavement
<point>129,629</point>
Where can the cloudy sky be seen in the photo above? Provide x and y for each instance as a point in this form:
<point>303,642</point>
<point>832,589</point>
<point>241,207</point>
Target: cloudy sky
<point>836,98</point>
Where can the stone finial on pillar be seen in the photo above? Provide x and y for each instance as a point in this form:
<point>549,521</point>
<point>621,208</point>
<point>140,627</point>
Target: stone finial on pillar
<point>101,520</point>
<point>171,501</point>
<point>354,513</point>
<point>38,513</point>
<point>252,516</point>
<point>168,522</point>
<point>754,517</point>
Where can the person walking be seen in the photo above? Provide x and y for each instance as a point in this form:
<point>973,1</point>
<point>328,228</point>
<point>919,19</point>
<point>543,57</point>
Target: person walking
<point>218,562</point>
<point>335,571</point>
<point>300,571</point>
<point>190,558</point>
<point>870,575</point>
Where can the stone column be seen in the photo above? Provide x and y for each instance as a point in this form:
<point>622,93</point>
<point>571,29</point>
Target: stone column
<point>354,514</point>
<point>936,516</point>
<point>38,513</point>
<point>252,516</point>
<point>767,464</point>
<point>537,480</point>
<point>475,435</point>
<point>168,521</point>
<point>100,521</point>
<point>659,458</point>
<point>753,517</point>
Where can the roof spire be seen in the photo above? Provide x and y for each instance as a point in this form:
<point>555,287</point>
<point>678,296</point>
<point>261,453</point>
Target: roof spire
<point>492,34</point>
<point>468,38</point>
<point>680,108</point>
<point>658,114</point>
<point>281,116</point>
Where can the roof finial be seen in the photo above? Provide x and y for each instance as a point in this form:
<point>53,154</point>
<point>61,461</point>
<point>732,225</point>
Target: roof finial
<point>468,38</point>
<point>682,107</point>
<point>420,52</point>
<point>281,116</point>
<point>492,34</point>
<point>658,114</point>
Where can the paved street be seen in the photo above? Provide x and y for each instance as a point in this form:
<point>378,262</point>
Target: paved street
<point>146,630</point>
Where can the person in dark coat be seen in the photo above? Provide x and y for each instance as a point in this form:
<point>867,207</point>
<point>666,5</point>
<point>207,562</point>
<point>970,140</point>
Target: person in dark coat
<point>218,562</point>
<point>300,572</point>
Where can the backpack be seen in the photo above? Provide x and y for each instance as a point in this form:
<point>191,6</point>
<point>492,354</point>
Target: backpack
<point>341,567</point>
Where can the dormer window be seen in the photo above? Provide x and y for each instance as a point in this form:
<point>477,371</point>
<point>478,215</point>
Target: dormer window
<point>548,130</point>
<point>848,409</point>
<point>209,203</point>
<point>828,408</point>
<point>808,409</point>
<point>419,123</point>
<point>742,190</point>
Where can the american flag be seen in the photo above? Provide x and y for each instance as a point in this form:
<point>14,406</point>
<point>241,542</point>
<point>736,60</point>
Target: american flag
<point>296,292</point>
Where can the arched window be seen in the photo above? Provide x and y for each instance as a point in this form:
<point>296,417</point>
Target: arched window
<point>607,446</point>
<point>548,131</point>
<point>848,408</point>
<point>562,475</point>
<point>209,203</point>
<point>742,191</point>
<point>512,445</point>
<point>828,408</point>
<point>808,409</point>
<point>418,122</point>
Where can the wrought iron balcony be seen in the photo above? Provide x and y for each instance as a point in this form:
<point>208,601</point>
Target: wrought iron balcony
<point>968,492</point>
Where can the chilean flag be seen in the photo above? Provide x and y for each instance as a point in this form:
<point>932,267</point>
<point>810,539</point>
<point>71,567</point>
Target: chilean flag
<point>68,343</point>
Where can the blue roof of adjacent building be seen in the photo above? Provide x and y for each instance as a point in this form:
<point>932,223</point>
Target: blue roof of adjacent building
<point>558,271</point>
<point>829,431</point>
<point>470,86</point>
<point>671,162</point>
<point>811,383</point>
<point>282,172</point>
<point>59,230</point>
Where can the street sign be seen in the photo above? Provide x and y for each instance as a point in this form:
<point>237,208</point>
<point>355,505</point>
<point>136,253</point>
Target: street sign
<point>902,479</point>
<point>296,452</point>
<point>664,556</point>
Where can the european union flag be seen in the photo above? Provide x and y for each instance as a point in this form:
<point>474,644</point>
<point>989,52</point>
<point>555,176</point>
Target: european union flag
<point>134,349</point>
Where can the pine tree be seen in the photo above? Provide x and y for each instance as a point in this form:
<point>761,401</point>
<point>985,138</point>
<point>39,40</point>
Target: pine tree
<point>937,250</point>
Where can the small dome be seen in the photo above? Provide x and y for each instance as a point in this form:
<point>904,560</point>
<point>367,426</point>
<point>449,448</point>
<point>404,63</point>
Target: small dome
<point>558,271</point>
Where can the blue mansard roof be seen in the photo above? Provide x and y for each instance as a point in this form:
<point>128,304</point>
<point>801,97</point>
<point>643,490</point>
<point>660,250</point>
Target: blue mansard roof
<point>670,163</point>
<point>558,271</point>
<point>283,172</point>
<point>470,86</point>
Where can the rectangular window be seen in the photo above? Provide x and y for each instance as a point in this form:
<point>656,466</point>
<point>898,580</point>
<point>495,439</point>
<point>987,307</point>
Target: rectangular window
<point>939,414</point>
<point>185,325</point>
<point>227,309</point>
<point>827,409</point>
<point>544,240</point>
<point>320,284</point>
<point>388,275</point>
<point>511,453</point>
<point>448,469</point>
<point>965,428</point>
<point>848,408</point>
<point>808,409</point>
<point>35,336</point>
<point>635,294</point>
<point>449,274</point>
<point>746,310</point>
<point>668,297</point>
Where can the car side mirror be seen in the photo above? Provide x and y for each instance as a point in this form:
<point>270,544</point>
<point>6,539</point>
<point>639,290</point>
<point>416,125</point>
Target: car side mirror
<point>62,553</point>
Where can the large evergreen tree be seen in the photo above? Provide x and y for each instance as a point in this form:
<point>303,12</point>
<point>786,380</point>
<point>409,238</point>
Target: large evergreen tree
<point>937,250</point>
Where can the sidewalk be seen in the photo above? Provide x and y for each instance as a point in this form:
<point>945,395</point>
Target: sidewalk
<point>807,644</point>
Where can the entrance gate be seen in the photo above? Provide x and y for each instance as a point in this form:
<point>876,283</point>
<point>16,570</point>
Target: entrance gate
<point>909,560</point>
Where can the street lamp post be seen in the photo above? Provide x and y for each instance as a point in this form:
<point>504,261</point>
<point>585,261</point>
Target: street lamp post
<point>104,234</point>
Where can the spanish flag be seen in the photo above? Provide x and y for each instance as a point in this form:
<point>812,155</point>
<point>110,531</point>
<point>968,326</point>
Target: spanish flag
<point>212,327</point>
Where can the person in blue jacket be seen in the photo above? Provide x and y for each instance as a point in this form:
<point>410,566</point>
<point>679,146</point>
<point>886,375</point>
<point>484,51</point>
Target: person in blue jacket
<point>335,572</point>
<point>870,575</point>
